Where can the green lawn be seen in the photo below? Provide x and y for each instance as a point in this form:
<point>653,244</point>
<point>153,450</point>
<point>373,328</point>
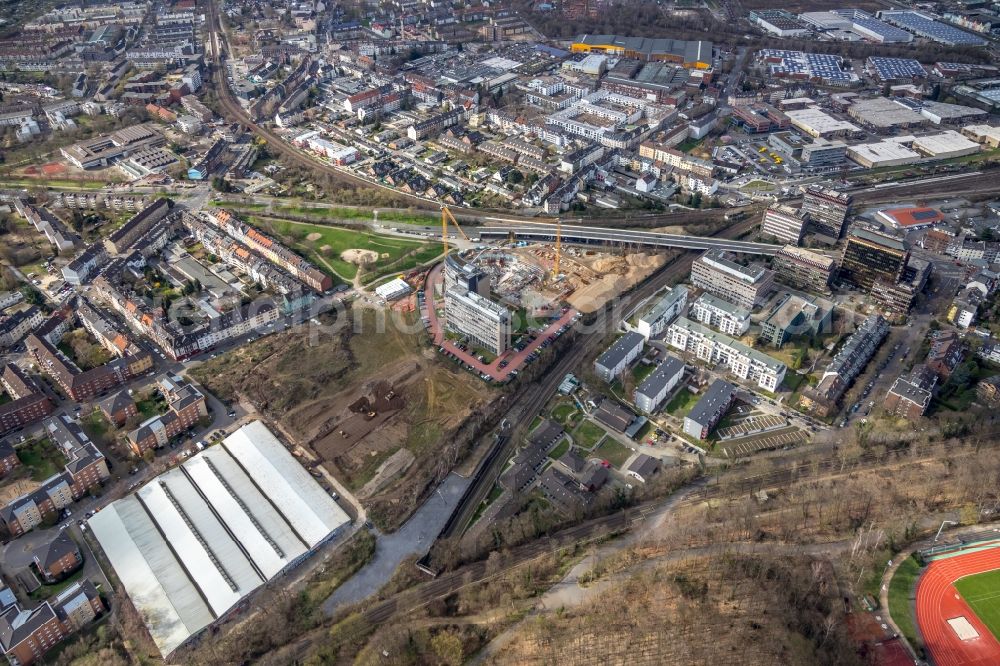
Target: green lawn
<point>561,448</point>
<point>563,412</point>
<point>682,403</point>
<point>336,239</point>
<point>588,434</point>
<point>793,380</point>
<point>641,371</point>
<point>982,593</point>
<point>613,452</point>
<point>42,458</point>
<point>900,590</point>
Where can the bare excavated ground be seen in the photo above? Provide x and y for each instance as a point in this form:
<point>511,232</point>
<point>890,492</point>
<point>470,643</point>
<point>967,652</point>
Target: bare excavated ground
<point>356,397</point>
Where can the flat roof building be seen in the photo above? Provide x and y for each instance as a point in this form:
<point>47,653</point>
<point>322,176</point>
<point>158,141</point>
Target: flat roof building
<point>696,54</point>
<point>667,308</point>
<point>746,286</point>
<point>722,315</point>
<point>743,361</point>
<point>819,124</point>
<point>485,323</point>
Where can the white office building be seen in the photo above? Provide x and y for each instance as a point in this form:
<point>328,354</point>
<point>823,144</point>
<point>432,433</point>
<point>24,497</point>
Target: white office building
<point>486,324</point>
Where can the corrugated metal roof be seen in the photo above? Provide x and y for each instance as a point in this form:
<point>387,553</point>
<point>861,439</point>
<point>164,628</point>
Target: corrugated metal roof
<point>194,541</point>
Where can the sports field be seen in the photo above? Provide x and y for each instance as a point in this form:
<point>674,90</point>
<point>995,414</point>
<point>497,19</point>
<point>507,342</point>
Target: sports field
<point>982,593</point>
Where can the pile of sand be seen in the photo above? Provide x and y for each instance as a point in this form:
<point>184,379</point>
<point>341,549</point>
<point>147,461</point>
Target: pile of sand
<point>313,237</point>
<point>359,257</point>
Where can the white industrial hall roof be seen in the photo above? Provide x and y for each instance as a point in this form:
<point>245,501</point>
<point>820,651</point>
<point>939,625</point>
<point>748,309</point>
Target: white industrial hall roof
<point>195,540</point>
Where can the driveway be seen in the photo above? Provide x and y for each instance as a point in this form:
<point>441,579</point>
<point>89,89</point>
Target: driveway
<point>413,538</point>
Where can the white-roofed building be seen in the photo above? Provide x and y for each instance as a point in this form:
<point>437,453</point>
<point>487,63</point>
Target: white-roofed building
<point>194,541</point>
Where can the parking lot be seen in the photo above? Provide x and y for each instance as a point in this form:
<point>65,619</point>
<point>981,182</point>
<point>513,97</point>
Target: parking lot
<point>787,437</point>
<point>752,426</point>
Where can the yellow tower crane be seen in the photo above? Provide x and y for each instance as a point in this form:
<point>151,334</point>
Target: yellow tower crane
<point>555,266</point>
<point>445,216</point>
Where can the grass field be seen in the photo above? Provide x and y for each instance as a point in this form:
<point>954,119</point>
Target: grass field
<point>588,434</point>
<point>613,452</point>
<point>982,593</point>
<point>901,588</point>
<point>389,248</point>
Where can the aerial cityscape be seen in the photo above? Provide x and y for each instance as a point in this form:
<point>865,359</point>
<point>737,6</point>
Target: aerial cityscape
<point>503,333</point>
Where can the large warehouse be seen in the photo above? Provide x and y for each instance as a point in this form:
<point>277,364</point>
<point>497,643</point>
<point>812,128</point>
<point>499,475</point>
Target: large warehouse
<point>194,541</point>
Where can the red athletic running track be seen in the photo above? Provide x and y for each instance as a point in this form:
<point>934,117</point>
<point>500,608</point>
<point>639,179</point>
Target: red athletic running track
<point>938,601</point>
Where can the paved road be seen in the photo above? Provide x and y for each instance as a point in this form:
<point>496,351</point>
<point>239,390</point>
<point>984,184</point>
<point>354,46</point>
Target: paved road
<point>413,538</point>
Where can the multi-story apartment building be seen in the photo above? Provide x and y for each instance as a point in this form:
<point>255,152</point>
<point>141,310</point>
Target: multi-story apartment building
<point>125,236</point>
<point>872,256</point>
<point>28,403</point>
<point>8,458</point>
<point>271,250</point>
<point>618,356</point>
<point>185,405</point>
<point>85,468</point>
<point>847,364</point>
<point>744,362</point>
<point>26,635</point>
<point>910,395</point>
<point>746,286</point>
<point>827,210</point>
<point>803,269</point>
<point>709,409</point>
<point>667,308</point>
<point>721,315</point>
<point>783,223</point>
<point>676,159</point>
<point>658,385</point>
<point>58,558</point>
<point>485,323</point>
<point>15,326</point>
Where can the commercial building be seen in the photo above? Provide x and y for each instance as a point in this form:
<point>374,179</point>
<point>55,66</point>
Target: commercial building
<point>827,210</point>
<point>823,154</point>
<point>783,223</point>
<point>882,113</point>
<point>196,540</point>
<point>486,324</point>
<point>944,145</point>
<point>721,315</point>
<point>890,152</point>
<point>696,54</point>
<point>925,26</point>
<point>658,385</point>
<point>746,286</point>
<point>910,218</point>
<point>796,316</point>
<point>819,68</point>
<point>393,290</point>
<point>709,409</point>
<point>779,22</point>
<point>871,256</point>
<point>819,124</point>
<point>618,356</point>
<point>803,269</point>
<point>667,308</point>
<point>895,70</point>
<point>743,361</point>
<point>872,29</point>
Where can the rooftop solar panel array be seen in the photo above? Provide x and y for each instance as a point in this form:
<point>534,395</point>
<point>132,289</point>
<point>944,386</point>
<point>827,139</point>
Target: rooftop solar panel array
<point>925,26</point>
<point>891,69</point>
<point>815,65</point>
